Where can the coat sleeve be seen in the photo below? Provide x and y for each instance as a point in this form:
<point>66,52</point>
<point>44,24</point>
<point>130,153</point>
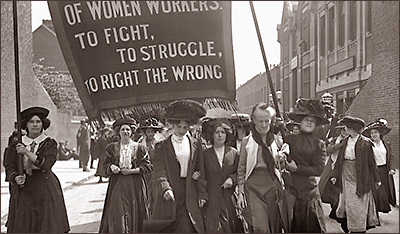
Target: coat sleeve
<point>201,183</point>
<point>11,162</point>
<point>46,154</point>
<point>234,173</point>
<point>109,159</point>
<point>241,171</point>
<point>144,163</point>
<point>160,178</point>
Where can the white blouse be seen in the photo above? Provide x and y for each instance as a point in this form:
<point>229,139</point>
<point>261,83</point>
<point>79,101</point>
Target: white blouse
<point>220,154</point>
<point>350,152</point>
<point>379,153</point>
<point>182,152</point>
<point>127,151</point>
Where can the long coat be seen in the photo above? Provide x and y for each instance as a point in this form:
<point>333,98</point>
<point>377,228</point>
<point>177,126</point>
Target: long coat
<point>366,169</point>
<point>126,194</point>
<point>166,175</point>
<point>38,206</point>
<point>220,201</point>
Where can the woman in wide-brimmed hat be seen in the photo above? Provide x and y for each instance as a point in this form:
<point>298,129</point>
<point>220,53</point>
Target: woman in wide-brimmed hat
<point>385,195</point>
<point>39,205</point>
<point>356,176</point>
<point>293,127</point>
<point>148,130</point>
<point>126,204</point>
<point>220,162</point>
<point>179,173</point>
<point>242,123</point>
<point>308,155</point>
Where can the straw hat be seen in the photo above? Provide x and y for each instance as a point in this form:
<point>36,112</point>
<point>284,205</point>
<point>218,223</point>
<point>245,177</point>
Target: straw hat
<point>380,125</point>
<point>352,122</point>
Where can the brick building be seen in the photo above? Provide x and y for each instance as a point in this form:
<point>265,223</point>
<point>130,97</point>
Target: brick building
<point>379,97</point>
<point>46,47</point>
<point>32,92</point>
<point>257,90</point>
<point>325,47</point>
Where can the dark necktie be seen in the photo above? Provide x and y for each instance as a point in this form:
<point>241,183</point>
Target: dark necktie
<point>27,162</point>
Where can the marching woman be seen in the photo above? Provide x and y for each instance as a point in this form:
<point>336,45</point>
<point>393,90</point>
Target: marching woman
<point>179,173</point>
<point>385,195</point>
<point>104,139</point>
<point>149,130</point>
<point>308,155</point>
<point>356,176</point>
<point>38,205</point>
<point>126,204</point>
<point>220,162</point>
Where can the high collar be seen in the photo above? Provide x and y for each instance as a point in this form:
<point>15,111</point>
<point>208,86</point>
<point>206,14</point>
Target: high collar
<point>27,140</point>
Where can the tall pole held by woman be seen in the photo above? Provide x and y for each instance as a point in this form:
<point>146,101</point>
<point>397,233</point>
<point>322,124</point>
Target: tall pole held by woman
<point>17,86</point>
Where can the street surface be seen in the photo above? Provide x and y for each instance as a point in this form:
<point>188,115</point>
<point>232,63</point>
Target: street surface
<point>84,199</point>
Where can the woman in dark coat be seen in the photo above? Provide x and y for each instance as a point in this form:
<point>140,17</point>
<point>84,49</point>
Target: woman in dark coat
<point>385,195</point>
<point>308,154</point>
<point>179,173</point>
<point>126,204</point>
<point>220,162</point>
<point>39,205</point>
<point>356,175</point>
<point>104,139</point>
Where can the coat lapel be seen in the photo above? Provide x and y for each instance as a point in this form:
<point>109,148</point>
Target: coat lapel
<point>214,161</point>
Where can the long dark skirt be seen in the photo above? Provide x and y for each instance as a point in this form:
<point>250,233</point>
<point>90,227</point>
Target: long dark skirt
<point>308,215</point>
<point>125,205</point>
<point>382,195</point>
<point>182,223</point>
<point>38,206</point>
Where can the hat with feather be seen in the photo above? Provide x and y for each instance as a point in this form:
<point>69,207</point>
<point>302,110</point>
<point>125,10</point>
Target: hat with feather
<point>152,123</point>
<point>308,107</point>
<point>379,124</point>
<point>186,110</point>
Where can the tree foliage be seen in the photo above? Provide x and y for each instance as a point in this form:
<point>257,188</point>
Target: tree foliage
<point>60,88</point>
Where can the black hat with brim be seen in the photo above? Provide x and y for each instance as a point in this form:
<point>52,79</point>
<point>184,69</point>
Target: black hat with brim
<point>380,125</point>
<point>185,110</point>
<point>353,122</point>
<point>291,124</point>
<point>123,121</point>
<point>308,107</point>
<point>39,111</point>
<point>151,123</point>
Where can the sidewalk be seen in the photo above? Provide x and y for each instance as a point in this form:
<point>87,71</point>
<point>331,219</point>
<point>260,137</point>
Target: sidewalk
<point>67,172</point>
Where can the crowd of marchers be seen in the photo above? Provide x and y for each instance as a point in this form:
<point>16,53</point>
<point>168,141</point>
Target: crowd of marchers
<point>186,172</point>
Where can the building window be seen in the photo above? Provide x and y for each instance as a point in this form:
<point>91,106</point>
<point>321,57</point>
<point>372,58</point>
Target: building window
<point>368,16</point>
<point>294,44</point>
<point>353,20</point>
<point>286,47</point>
<point>305,92</point>
<point>322,31</point>
<point>331,38</point>
<point>294,85</point>
<point>341,23</point>
<point>305,32</point>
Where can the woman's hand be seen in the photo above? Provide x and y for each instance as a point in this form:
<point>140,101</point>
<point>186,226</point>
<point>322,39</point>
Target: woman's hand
<point>228,183</point>
<point>377,185</point>
<point>20,179</point>
<point>115,169</point>
<point>196,175</point>
<point>202,202</point>
<point>292,166</point>
<point>333,180</point>
<point>241,202</point>
<point>392,172</point>
<point>21,149</point>
<point>169,195</point>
